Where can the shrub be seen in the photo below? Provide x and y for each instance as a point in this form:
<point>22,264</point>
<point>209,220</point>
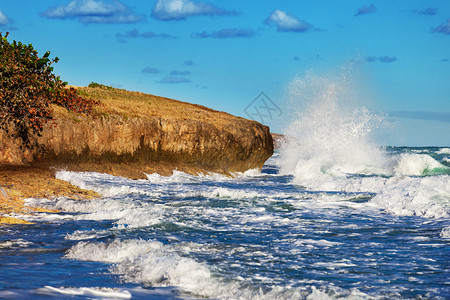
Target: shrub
<point>100,86</point>
<point>28,87</point>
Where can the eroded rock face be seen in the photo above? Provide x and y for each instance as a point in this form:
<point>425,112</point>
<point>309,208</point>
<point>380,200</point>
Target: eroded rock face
<point>113,143</point>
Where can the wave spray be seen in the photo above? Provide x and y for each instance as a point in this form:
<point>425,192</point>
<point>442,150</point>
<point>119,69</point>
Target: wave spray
<point>329,134</point>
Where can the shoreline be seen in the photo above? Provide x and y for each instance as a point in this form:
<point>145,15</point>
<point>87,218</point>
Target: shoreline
<point>128,134</point>
<point>18,183</point>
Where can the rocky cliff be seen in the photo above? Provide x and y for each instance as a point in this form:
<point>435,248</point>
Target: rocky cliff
<point>131,134</point>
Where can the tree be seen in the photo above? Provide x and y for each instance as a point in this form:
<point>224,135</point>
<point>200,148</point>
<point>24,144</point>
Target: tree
<point>28,87</point>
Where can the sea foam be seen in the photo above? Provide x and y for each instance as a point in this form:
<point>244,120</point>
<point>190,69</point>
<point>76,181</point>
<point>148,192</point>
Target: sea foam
<point>417,164</point>
<point>153,263</point>
<point>445,233</point>
<point>443,151</point>
<point>96,292</point>
<point>331,147</point>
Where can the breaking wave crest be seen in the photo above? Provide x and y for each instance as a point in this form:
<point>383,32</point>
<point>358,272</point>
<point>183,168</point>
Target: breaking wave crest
<point>331,147</point>
<point>154,264</point>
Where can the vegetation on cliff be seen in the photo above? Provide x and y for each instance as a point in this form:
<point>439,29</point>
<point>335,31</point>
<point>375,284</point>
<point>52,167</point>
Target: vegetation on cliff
<point>28,87</point>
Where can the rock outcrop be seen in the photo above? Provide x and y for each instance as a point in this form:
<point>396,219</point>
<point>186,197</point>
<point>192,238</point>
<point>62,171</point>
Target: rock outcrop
<point>132,133</point>
<point>278,140</point>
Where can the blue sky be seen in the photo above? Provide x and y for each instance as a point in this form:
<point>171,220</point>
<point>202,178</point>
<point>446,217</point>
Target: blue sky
<point>223,54</point>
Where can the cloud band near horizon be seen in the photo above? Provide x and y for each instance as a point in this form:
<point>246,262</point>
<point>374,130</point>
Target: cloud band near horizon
<point>422,115</point>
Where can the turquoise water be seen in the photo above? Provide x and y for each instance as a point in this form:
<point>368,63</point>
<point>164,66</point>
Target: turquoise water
<point>348,232</point>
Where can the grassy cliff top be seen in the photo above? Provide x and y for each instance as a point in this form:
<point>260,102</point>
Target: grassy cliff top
<point>140,105</point>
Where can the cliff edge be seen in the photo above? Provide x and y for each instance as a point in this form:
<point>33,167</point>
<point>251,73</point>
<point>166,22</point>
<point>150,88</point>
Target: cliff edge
<point>131,133</point>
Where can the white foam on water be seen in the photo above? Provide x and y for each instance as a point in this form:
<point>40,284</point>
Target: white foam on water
<point>233,194</point>
<point>176,185</point>
<point>411,164</point>
<point>14,243</point>
<point>176,177</point>
<point>105,184</point>
<point>405,196</point>
<point>152,263</point>
<point>445,233</point>
<point>158,265</point>
<point>79,235</point>
<point>181,177</point>
<point>88,293</point>
<point>314,243</point>
<point>331,148</point>
<point>132,211</point>
<point>400,195</point>
<point>426,196</point>
<point>334,265</point>
<point>443,151</point>
<point>125,211</point>
<point>421,196</point>
<point>96,292</point>
<point>248,173</point>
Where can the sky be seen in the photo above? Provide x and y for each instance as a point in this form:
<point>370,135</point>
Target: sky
<point>241,57</point>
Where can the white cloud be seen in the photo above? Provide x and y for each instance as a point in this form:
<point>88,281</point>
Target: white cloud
<point>3,19</point>
<point>287,22</point>
<point>93,11</point>
<point>422,115</point>
<point>181,9</point>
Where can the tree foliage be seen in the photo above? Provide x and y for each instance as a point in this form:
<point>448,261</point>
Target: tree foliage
<point>28,87</point>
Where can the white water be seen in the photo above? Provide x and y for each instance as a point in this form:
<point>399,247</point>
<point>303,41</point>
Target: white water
<point>444,151</point>
<point>158,265</point>
<point>331,147</point>
<point>103,293</point>
<point>327,136</point>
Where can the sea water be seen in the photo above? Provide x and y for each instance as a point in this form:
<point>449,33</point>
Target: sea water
<point>331,215</point>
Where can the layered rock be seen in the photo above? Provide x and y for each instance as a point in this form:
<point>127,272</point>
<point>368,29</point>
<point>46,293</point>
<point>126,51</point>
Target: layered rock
<point>133,133</point>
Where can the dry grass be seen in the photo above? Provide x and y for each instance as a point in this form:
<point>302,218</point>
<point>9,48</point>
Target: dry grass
<point>139,105</point>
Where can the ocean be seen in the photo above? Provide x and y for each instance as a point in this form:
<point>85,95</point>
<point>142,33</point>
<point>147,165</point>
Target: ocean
<point>258,235</point>
<point>331,215</point>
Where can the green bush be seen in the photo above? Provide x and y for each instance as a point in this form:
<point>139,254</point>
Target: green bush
<point>28,87</point>
<point>100,86</point>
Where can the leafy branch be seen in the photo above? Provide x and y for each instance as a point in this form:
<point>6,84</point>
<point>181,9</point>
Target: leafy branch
<point>28,87</point>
